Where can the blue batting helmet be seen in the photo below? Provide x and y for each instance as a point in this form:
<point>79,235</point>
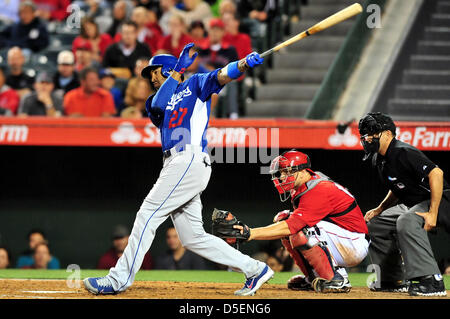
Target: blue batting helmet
<point>166,61</point>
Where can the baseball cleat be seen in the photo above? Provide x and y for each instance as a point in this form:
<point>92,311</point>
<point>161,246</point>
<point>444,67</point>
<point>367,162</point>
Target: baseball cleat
<point>299,283</point>
<point>429,286</point>
<point>338,284</point>
<point>390,286</point>
<point>99,286</point>
<point>252,284</point>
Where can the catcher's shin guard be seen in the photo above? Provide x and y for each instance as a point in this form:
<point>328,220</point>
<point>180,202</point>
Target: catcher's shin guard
<point>301,262</point>
<point>315,252</point>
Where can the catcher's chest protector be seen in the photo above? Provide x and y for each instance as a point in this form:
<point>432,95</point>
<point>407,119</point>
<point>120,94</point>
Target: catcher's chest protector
<point>313,182</point>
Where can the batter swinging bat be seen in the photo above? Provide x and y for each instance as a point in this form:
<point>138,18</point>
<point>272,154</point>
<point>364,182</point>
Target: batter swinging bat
<point>336,18</point>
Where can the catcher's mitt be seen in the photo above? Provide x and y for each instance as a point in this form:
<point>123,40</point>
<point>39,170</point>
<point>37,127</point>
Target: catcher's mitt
<point>222,226</point>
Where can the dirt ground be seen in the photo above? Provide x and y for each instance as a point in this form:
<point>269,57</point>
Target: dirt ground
<point>60,289</point>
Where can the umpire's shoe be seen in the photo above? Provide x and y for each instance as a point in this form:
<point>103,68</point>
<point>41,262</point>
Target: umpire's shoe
<point>337,284</point>
<point>390,286</point>
<point>299,283</point>
<point>253,283</point>
<point>99,286</point>
<point>428,286</point>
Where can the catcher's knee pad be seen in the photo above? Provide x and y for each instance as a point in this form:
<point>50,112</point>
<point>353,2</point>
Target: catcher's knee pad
<point>315,252</point>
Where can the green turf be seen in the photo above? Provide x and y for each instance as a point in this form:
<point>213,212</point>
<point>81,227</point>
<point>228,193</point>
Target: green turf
<point>357,279</point>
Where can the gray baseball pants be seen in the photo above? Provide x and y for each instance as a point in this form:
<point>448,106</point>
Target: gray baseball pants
<point>400,245</point>
<point>176,193</point>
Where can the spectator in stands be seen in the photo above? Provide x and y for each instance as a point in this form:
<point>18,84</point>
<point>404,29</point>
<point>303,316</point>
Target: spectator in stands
<point>124,54</point>
<point>217,54</point>
<point>227,6</point>
<point>135,97</point>
<point>177,257</point>
<point>146,32</point>
<point>108,82</point>
<point>17,79</point>
<point>241,41</point>
<point>9,99</point>
<point>35,237</point>
<point>195,10</point>
<point>178,37</point>
<point>198,33</point>
<point>119,242</point>
<point>5,257</point>
<point>66,78</point>
<point>84,57</point>
<point>10,11</point>
<point>141,63</point>
<point>255,14</point>
<point>52,9</point>
<point>41,257</point>
<point>44,101</point>
<point>89,32</point>
<point>121,12</point>
<point>89,100</point>
<point>166,7</point>
<point>29,33</point>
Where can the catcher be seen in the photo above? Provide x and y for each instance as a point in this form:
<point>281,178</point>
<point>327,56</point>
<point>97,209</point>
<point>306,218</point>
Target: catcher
<point>325,233</point>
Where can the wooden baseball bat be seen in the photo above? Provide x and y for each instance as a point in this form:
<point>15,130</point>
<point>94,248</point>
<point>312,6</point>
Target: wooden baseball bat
<point>336,18</point>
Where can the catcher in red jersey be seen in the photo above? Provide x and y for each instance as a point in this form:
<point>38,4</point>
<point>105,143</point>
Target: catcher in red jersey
<point>324,233</point>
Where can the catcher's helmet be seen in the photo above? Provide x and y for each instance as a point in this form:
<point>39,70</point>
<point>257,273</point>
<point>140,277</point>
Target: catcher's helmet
<point>288,163</point>
<point>166,61</point>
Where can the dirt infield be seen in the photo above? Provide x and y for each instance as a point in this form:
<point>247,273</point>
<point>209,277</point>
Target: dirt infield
<point>58,289</point>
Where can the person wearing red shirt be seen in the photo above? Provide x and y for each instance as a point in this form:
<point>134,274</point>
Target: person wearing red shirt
<point>178,37</point>
<point>52,9</point>
<point>119,242</point>
<point>89,99</point>
<point>9,99</point>
<point>89,33</point>
<point>148,31</point>
<point>326,230</point>
<point>241,41</point>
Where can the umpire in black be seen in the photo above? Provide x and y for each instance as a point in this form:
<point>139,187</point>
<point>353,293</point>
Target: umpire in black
<point>417,202</point>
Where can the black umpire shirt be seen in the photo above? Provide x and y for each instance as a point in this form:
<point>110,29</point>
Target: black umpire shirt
<point>404,170</point>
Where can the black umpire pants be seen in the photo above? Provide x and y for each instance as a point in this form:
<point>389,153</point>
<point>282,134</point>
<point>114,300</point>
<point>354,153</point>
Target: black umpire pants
<point>399,244</point>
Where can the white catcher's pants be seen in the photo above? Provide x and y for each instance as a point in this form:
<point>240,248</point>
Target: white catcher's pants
<point>177,193</point>
<point>347,248</point>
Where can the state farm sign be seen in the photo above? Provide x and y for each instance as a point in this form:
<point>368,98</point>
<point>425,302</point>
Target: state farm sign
<point>425,138</point>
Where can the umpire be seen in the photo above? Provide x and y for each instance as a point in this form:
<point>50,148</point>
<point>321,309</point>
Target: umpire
<point>417,202</point>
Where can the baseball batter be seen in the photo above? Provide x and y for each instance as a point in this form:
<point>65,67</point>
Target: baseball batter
<point>181,109</point>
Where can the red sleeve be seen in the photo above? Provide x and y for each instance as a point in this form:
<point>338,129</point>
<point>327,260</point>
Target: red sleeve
<point>148,262</point>
<point>108,106</point>
<point>106,261</point>
<point>312,208</point>
<point>105,42</point>
<point>68,102</point>
<point>61,13</point>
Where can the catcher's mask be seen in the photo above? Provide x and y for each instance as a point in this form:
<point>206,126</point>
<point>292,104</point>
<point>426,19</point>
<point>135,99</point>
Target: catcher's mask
<point>283,169</point>
<point>369,125</point>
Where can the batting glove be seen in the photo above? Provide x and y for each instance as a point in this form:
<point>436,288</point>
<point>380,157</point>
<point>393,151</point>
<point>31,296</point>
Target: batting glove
<point>253,59</point>
<point>184,61</point>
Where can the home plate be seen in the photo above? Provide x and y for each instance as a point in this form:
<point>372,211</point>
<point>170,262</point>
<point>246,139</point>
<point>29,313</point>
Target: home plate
<point>48,292</point>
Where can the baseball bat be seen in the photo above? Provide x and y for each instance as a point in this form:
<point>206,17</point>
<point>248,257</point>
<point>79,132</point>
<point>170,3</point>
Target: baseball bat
<point>336,18</point>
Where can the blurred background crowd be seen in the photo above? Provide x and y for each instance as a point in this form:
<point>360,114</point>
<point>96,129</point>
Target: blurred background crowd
<point>84,57</point>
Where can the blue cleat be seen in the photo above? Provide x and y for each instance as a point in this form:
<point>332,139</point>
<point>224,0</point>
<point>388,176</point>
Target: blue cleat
<point>99,286</point>
<point>252,284</point>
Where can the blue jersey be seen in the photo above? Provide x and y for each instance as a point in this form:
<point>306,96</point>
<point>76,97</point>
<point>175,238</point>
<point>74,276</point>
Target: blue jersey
<point>184,117</point>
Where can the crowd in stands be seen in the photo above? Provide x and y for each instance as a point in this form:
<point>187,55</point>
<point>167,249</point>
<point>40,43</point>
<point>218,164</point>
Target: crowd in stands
<point>55,54</point>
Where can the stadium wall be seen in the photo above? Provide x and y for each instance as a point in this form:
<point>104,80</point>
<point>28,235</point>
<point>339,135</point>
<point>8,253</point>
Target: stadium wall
<point>77,194</point>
